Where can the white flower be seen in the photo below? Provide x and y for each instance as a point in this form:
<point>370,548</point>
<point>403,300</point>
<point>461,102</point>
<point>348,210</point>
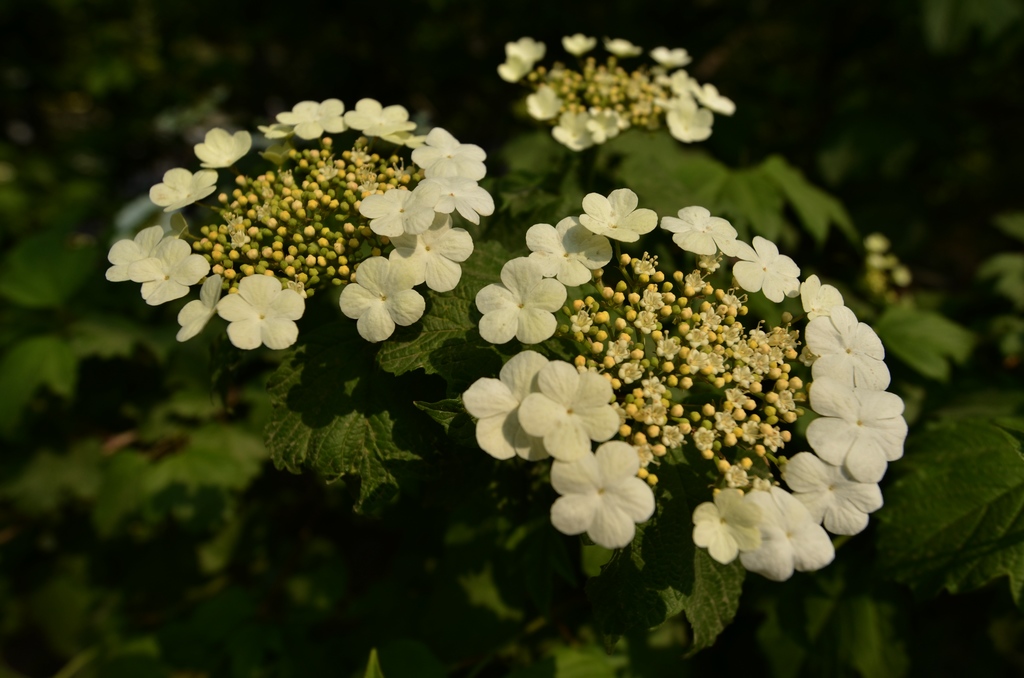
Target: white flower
<point>543,104</point>
<point>727,526</point>
<point>763,268</point>
<point>568,251</point>
<point>168,272</point>
<point>605,125</point>
<point>195,314</point>
<point>616,216</point>
<point>709,97</point>
<point>381,298</point>
<point>686,121</point>
<point>847,350</point>
<point>578,44</point>
<point>630,372</point>
<point>180,187</point>
<point>443,156</point>
<point>262,312</point>
<point>790,537</point>
<point>818,299</point>
<point>221,149</point>
<point>495,404</point>
<point>434,255</point>
<point>311,119</point>
<point>521,306</point>
<point>399,211</point>
<point>698,232</point>
<point>829,493</point>
<point>572,132</point>
<point>601,495</point>
<point>277,131</point>
<point>860,429</point>
<point>671,58</point>
<point>622,48</point>
<point>463,195</point>
<point>570,410</point>
<point>124,253</point>
<point>373,120</point>
<point>520,56</point>
<point>682,85</point>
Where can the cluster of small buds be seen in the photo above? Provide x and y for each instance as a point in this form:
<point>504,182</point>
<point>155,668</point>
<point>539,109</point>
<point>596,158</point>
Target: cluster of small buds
<point>883,271</point>
<point>376,224</point>
<point>597,101</point>
<point>670,362</point>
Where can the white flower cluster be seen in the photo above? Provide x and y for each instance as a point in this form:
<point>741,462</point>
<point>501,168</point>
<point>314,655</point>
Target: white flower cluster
<point>597,102</point>
<point>326,221</point>
<point>644,344</point>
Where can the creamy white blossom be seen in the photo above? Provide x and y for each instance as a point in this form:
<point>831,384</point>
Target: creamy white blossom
<point>399,211</point>
<point>544,104</point>
<point>168,272</point>
<point>434,255</point>
<point>847,350</point>
<point>686,121</point>
<point>568,251</point>
<point>604,125</point>
<point>695,230</point>
<point>262,312</point>
<point>727,526</point>
<point>572,131</point>
<point>310,119</point>
<point>671,58</point>
<point>374,120</point>
<point>495,404</point>
<point>709,97</point>
<point>763,268</point>
<point>569,410</point>
<point>221,149</point>
<point>520,56</point>
<point>622,48</point>
<point>578,44</point>
<point>195,314</point>
<point>830,494</point>
<point>381,298</point>
<point>462,195</point>
<point>522,306</point>
<point>124,253</point>
<point>441,155</point>
<point>616,216</point>
<point>790,538</point>
<point>180,188</point>
<point>818,299</point>
<point>601,495</point>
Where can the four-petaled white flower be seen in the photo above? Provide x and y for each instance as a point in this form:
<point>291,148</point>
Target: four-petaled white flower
<point>671,58</point>
<point>180,187</point>
<point>521,306</point>
<point>709,97</point>
<point>381,297</point>
<point>400,211</point>
<point>616,216</point>
<point>520,56</point>
<point>578,44</point>
<point>568,251</point>
<point>763,268</point>
<point>168,272</point>
<point>310,119</point>
<point>374,120</point>
<point>601,495</point>
<point>434,255</point>
<point>847,350</point>
<point>495,404</point>
<point>462,195</point>
<point>262,312</point>
<point>220,149</point>
<point>543,104</point>
<point>605,125</point>
<point>727,526</point>
<point>860,429</point>
<point>818,299</point>
<point>622,48</point>
<point>790,537</point>
<point>830,494</point>
<point>686,121</point>
<point>698,232</point>
<point>572,131</point>
<point>195,314</point>
<point>443,156</point>
<point>124,253</point>
<point>570,410</point>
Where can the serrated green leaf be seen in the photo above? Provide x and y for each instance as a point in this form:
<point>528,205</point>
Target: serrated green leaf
<point>955,517</point>
<point>452,416</point>
<point>37,361</point>
<point>334,414</point>
<point>446,341</point>
<point>662,573</point>
<point>816,208</point>
<point>1007,269</point>
<point>21,282</point>
<point>924,340</point>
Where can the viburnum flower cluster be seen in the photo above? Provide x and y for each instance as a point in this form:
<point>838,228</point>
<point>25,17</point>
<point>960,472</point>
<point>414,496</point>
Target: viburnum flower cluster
<point>594,102</point>
<point>671,369</point>
<point>374,217</point>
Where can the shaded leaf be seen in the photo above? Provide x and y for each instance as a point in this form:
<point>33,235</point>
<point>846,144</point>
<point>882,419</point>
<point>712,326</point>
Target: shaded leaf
<point>21,282</point>
<point>924,340</point>
<point>816,208</point>
<point>37,361</point>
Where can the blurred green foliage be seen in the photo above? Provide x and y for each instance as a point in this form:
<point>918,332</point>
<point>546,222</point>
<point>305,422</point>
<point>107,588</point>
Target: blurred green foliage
<point>144,528</point>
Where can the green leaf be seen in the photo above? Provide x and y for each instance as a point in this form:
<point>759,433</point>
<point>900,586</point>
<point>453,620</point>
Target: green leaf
<point>955,516</point>
<point>48,480</point>
<point>452,416</point>
<point>446,341</point>
<point>753,203</point>
<point>37,361</point>
<point>1007,269</point>
<point>662,573</point>
<point>69,267</point>
<point>218,456</point>
<point>373,666</point>
<point>924,340</point>
<point>1012,224</point>
<point>335,414</point>
<point>817,209</point>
